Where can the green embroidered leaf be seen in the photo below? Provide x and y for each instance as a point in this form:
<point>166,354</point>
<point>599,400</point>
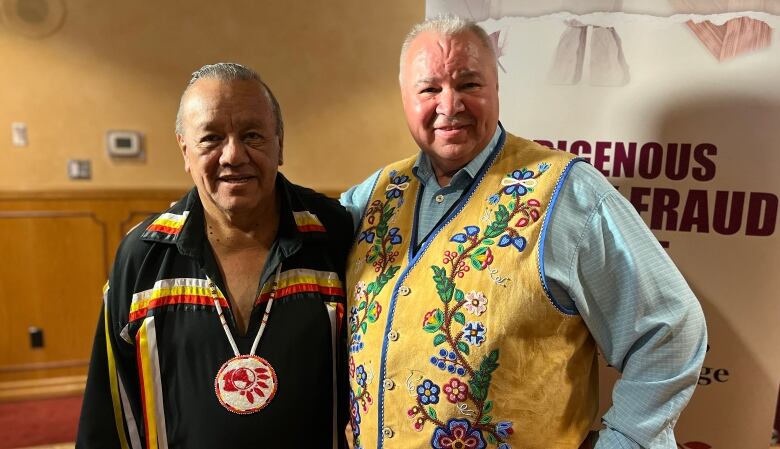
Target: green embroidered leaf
<point>512,205</point>
<point>362,305</point>
<point>502,214</point>
<point>491,438</point>
<point>495,229</point>
<point>439,339</point>
<point>485,419</point>
<point>459,317</point>
<point>459,295</point>
<point>387,212</point>
<point>487,407</point>
<point>461,248</point>
<point>384,278</point>
<point>489,363</point>
<point>364,326</point>
<point>463,347</point>
<point>444,286</point>
<point>431,412</point>
<point>478,390</point>
<point>373,253</point>
<point>381,229</point>
<point>370,287</point>
<point>488,242</point>
<point>480,381</point>
<point>392,271</point>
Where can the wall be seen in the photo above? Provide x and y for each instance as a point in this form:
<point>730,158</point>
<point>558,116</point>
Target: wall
<point>123,65</point>
<point>58,248</point>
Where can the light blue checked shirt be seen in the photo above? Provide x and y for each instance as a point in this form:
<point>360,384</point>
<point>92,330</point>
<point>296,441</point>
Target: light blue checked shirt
<point>601,261</point>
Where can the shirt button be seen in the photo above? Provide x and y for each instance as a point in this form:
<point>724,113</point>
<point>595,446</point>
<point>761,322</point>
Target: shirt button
<point>388,384</point>
<point>439,198</point>
<point>387,432</point>
<point>392,335</point>
<point>404,290</point>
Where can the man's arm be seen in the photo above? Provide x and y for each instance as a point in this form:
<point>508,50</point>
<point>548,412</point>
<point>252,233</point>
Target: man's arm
<point>111,394</point>
<point>356,198</point>
<point>601,257</point>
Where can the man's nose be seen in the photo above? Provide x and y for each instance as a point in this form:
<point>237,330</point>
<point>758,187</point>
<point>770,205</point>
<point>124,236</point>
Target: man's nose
<point>234,152</point>
<point>450,103</point>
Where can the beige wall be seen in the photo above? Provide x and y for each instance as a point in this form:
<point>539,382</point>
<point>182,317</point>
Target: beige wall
<point>122,65</point>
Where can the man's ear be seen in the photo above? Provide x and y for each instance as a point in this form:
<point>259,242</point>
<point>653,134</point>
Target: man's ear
<point>281,149</point>
<point>183,147</point>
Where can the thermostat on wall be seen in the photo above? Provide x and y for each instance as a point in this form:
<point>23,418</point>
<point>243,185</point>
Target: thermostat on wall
<point>124,144</point>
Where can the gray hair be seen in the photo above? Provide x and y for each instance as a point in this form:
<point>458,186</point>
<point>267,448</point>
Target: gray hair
<point>446,25</point>
<point>230,71</point>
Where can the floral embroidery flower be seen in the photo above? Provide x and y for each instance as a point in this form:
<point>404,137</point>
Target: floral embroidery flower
<point>543,167</point>
<point>357,343</point>
<point>504,429</point>
<point>504,446</point>
<point>397,185</point>
<point>428,392</point>
<point>482,258</point>
<point>394,237</point>
<point>494,199</point>
<point>354,418</point>
<point>458,434</point>
<point>519,182</point>
<point>456,390</point>
<point>361,376</point>
<point>374,310</point>
<point>471,231</point>
<point>351,366</point>
<point>518,242</point>
<point>475,303</point>
<point>474,333</point>
<point>360,291</point>
<point>368,236</point>
<point>353,317</point>
<point>431,321</point>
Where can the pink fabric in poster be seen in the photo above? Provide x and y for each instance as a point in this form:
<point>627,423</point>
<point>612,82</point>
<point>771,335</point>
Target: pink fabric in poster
<point>735,37</point>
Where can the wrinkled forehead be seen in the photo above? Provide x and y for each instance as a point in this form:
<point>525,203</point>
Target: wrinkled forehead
<point>433,52</point>
<point>208,98</point>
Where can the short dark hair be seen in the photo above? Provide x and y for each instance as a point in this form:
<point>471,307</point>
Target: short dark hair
<point>230,71</point>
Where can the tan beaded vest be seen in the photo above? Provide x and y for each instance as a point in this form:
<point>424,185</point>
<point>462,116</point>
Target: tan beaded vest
<point>458,345</point>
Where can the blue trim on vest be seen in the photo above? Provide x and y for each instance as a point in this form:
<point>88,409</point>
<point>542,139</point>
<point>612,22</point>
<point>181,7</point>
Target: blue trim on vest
<point>411,264</point>
<point>564,175</point>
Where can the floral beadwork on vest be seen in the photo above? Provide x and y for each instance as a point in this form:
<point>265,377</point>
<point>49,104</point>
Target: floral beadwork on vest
<point>382,240</point>
<point>461,344</point>
<point>454,331</point>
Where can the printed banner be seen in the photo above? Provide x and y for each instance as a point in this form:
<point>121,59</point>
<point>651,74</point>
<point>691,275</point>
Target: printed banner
<point>678,103</point>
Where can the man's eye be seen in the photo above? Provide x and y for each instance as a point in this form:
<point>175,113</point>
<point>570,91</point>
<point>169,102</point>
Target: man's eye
<point>210,138</point>
<point>468,86</point>
<point>429,90</point>
<point>253,135</point>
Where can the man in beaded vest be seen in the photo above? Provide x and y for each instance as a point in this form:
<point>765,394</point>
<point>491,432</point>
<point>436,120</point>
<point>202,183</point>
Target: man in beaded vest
<point>486,271</point>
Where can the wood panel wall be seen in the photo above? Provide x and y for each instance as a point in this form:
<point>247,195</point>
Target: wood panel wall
<point>56,249</point>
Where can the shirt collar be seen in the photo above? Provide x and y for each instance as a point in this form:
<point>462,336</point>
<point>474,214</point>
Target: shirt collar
<point>423,170</point>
